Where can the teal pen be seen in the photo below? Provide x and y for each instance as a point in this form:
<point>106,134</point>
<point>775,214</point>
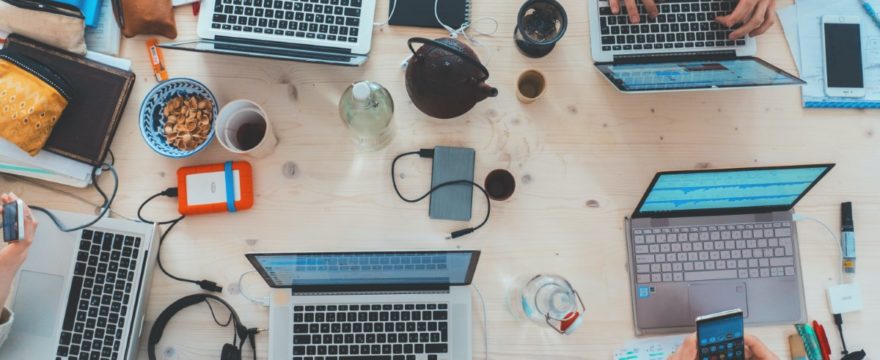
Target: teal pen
<point>870,10</point>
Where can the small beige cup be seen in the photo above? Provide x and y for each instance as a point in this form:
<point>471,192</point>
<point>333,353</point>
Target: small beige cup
<point>530,86</point>
<point>234,118</point>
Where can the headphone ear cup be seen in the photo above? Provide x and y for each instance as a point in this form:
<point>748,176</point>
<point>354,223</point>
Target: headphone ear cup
<point>230,352</point>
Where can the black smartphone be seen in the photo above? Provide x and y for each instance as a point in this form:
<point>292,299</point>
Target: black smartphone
<point>13,221</point>
<point>720,336</point>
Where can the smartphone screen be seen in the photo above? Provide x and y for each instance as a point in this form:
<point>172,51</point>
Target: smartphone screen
<point>843,56</point>
<point>720,337</point>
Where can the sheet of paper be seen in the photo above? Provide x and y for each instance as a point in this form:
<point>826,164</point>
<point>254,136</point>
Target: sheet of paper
<point>121,63</point>
<point>106,35</point>
<point>654,348</point>
<point>44,164</point>
<point>788,19</point>
<point>809,21</point>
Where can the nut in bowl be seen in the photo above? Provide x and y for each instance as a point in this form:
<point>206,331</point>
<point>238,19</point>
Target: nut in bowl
<point>177,117</point>
<point>187,122</point>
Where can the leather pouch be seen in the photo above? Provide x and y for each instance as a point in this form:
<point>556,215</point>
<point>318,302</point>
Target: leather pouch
<point>59,25</point>
<point>147,17</point>
<point>32,99</point>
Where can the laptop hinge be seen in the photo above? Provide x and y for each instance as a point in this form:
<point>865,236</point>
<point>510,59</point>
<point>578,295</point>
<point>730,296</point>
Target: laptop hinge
<point>283,45</point>
<point>673,57</point>
<point>330,289</point>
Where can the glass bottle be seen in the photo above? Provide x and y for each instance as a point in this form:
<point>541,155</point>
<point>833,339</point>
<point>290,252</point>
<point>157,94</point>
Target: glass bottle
<point>366,109</point>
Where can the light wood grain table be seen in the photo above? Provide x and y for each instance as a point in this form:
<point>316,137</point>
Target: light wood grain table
<point>582,156</point>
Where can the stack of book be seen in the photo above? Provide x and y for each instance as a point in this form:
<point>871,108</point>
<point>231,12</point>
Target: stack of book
<point>81,139</point>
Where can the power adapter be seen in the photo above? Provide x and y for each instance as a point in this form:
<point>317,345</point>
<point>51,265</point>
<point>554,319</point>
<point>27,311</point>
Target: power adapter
<point>845,298</point>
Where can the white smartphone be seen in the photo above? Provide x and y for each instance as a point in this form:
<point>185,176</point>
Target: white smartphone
<point>842,46</point>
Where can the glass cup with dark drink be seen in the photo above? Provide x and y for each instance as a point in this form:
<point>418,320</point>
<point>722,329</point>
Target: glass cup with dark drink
<point>244,128</point>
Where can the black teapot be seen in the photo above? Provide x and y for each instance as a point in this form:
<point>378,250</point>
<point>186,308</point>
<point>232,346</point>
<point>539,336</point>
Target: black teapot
<point>445,78</point>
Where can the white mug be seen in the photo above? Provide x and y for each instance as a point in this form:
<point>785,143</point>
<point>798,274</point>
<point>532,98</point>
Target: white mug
<point>242,127</point>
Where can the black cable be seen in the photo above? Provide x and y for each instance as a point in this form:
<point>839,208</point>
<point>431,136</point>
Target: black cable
<point>172,192</point>
<point>105,206</point>
<point>838,320</point>
<point>428,154</point>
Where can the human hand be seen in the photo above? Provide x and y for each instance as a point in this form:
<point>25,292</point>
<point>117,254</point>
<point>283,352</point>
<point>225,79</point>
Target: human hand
<point>687,350</point>
<point>756,16</point>
<point>15,252</point>
<point>755,349</point>
<point>633,10</point>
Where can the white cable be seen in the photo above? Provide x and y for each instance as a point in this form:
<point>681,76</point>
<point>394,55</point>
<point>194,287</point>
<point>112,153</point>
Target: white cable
<point>264,302</point>
<point>463,30</point>
<point>485,322</point>
<point>837,245</point>
<point>390,15</point>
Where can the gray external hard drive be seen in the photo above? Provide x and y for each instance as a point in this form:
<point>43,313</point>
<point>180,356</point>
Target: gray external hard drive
<point>452,202</point>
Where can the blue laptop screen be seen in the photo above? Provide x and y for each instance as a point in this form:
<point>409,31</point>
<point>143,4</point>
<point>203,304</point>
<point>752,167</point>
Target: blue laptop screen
<point>329,269</point>
<point>695,75</point>
<point>730,189</point>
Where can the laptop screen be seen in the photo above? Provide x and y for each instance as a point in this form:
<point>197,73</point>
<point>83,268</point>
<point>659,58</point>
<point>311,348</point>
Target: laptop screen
<point>729,191</point>
<point>695,74</point>
<point>366,268</point>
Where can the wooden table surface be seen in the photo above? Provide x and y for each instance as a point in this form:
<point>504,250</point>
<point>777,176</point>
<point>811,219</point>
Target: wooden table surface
<point>582,156</point>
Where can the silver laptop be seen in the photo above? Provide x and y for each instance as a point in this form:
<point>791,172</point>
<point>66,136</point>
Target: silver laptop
<point>81,295</point>
<point>705,241</point>
<point>369,305</point>
<point>684,48</point>
<point>335,32</point>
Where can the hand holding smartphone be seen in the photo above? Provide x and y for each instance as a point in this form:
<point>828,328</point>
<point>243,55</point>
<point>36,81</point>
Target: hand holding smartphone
<point>13,220</point>
<point>720,336</point>
<point>842,46</point>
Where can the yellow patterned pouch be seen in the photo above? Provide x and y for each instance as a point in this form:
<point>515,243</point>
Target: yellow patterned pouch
<point>32,99</point>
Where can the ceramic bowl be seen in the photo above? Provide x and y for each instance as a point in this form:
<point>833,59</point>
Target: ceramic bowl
<point>152,120</point>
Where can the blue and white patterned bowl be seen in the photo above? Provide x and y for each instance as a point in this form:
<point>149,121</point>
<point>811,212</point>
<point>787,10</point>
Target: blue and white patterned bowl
<point>151,119</point>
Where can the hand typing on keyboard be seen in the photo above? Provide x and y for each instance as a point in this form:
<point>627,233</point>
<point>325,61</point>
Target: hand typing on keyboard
<point>748,17</point>
<point>14,253</point>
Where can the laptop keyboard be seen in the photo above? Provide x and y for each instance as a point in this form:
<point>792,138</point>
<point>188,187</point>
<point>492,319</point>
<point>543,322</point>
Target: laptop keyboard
<point>99,294</point>
<point>370,332</point>
<point>681,24</point>
<point>332,20</point>
<point>685,254</point>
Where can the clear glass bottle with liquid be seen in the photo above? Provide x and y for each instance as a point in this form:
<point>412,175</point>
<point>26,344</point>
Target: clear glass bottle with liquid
<point>366,109</point>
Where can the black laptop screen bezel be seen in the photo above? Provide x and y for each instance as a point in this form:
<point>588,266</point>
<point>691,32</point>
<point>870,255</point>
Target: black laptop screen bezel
<point>469,277</point>
<point>613,80</point>
<point>726,211</point>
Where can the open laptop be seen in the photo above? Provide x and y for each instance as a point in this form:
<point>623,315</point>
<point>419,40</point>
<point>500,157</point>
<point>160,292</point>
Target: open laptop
<point>705,241</point>
<point>684,48</point>
<point>81,295</point>
<point>335,32</point>
<point>369,305</point>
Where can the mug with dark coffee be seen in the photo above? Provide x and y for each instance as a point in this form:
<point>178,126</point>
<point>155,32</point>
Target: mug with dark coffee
<point>242,127</point>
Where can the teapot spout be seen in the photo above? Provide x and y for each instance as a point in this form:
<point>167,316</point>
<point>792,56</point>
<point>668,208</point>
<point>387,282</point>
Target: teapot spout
<point>488,90</point>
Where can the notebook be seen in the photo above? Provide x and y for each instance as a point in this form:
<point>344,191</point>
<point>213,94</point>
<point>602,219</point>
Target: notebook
<point>91,9</point>
<point>100,92</point>
<point>453,13</point>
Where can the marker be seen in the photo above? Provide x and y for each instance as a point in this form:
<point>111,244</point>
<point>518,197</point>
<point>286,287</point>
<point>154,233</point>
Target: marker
<point>870,10</point>
<point>847,238</point>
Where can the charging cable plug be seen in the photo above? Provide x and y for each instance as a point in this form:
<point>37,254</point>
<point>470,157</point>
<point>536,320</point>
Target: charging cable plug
<point>209,286</point>
<point>459,233</point>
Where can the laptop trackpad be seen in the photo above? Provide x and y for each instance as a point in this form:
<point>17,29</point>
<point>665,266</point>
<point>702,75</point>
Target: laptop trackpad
<point>711,298</point>
<point>36,300</point>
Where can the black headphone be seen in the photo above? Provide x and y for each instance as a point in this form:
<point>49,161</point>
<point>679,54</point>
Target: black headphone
<point>229,352</point>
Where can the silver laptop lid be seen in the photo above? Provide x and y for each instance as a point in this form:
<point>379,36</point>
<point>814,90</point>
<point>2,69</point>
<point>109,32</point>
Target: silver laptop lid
<point>270,50</point>
<point>366,271</point>
<point>728,191</point>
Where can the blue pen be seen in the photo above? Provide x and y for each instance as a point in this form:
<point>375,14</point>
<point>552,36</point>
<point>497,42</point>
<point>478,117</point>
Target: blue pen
<point>870,10</point>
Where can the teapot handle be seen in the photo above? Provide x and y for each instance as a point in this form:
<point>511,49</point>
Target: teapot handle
<point>472,61</point>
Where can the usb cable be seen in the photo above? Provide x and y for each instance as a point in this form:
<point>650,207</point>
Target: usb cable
<point>429,154</point>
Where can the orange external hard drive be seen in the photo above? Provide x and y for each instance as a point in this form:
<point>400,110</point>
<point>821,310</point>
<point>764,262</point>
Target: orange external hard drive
<point>227,187</point>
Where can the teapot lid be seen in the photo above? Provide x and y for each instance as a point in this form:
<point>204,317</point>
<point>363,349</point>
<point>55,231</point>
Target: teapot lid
<point>467,58</point>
